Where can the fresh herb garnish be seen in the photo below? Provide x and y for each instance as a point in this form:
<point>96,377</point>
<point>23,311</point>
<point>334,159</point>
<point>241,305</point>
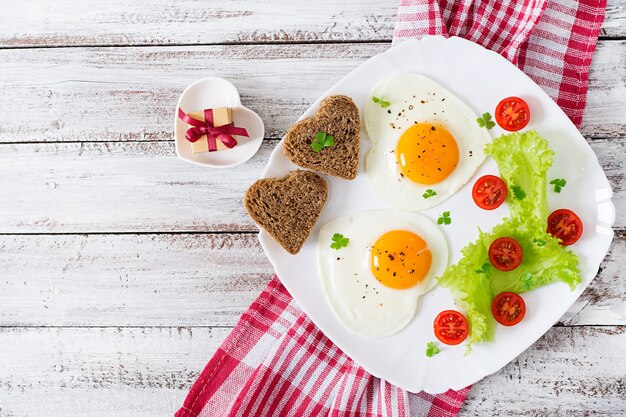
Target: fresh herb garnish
<point>432,349</point>
<point>485,121</point>
<point>382,102</point>
<point>527,280</point>
<point>484,268</point>
<point>429,193</point>
<point>558,183</point>
<point>444,218</point>
<point>339,241</point>
<point>518,192</point>
<point>322,140</point>
<point>539,242</point>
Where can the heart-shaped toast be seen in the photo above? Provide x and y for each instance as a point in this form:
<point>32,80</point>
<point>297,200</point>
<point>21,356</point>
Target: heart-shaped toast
<point>287,208</point>
<point>338,117</point>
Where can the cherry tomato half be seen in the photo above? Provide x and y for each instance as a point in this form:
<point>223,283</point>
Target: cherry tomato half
<point>489,192</point>
<point>564,224</point>
<point>451,327</point>
<point>512,114</point>
<point>508,308</point>
<point>505,253</point>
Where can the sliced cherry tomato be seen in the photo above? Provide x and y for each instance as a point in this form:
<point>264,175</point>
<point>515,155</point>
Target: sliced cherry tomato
<point>508,308</point>
<point>564,224</point>
<point>505,253</point>
<point>512,114</point>
<point>489,192</point>
<point>451,327</point>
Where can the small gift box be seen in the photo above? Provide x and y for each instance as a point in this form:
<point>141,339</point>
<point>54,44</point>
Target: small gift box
<point>211,130</point>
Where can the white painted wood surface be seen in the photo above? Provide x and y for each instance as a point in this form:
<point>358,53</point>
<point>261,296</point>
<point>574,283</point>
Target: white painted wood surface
<point>96,372</point>
<point>154,22</point>
<point>182,280</point>
<point>79,90</point>
<point>118,277</point>
<point>76,187</point>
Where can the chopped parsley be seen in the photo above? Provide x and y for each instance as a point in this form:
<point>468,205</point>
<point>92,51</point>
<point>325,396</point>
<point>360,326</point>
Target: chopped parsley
<point>485,121</point>
<point>518,192</point>
<point>382,102</point>
<point>539,242</point>
<point>558,183</point>
<point>444,218</point>
<point>527,281</point>
<point>484,268</point>
<point>339,241</point>
<point>429,193</point>
<point>322,140</point>
<point>432,349</point>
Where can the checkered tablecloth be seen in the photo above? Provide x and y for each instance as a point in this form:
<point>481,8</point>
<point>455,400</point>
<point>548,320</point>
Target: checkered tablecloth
<point>276,362</point>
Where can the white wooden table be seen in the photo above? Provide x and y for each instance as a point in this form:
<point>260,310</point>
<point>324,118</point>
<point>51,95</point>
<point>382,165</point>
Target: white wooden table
<point>123,268</point>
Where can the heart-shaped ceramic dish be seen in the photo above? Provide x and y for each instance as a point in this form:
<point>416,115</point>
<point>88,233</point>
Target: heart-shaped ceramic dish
<point>209,93</point>
<point>480,78</point>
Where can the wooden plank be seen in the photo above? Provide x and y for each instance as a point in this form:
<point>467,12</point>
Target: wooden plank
<point>119,187</point>
<point>147,372</point>
<point>143,187</point>
<point>73,22</point>
<point>129,94</point>
<point>615,19</point>
<point>130,280</point>
<point>121,94</point>
<point>604,97</point>
<point>568,372</point>
<point>60,372</point>
<point>181,280</point>
<point>154,22</point>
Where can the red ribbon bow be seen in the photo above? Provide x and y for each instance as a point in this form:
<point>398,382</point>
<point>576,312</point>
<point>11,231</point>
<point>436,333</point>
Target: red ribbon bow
<point>222,133</point>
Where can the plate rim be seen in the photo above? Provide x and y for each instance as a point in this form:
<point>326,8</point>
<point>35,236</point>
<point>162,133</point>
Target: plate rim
<point>605,198</point>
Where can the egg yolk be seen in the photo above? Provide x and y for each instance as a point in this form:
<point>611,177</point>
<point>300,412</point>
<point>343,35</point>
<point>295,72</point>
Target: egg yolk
<point>400,259</point>
<point>426,153</point>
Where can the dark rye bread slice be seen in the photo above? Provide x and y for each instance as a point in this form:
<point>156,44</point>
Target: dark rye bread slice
<point>287,208</point>
<point>337,116</point>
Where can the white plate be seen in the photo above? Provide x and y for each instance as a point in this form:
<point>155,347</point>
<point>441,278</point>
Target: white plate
<point>209,93</point>
<point>481,78</point>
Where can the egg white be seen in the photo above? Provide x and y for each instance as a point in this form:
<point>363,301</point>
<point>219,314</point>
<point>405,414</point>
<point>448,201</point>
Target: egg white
<point>360,302</point>
<point>414,99</point>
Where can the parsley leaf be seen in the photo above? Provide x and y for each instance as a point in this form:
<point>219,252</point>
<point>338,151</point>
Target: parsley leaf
<point>485,121</point>
<point>484,268</point>
<point>518,192</point>
<point>444,218</point>
<point>539,242</point>
<point>382,102</point>
<point>339,241</point>
<point>432,349</point>
<point>527,279</point>
<point>429,193</point>
<point>558,183</point>
<point>322,140</point>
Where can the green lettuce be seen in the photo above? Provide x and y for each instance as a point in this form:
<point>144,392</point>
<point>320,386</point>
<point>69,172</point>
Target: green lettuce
<point>544,260</point>
<point>471,290</point>
<point>523,160</point>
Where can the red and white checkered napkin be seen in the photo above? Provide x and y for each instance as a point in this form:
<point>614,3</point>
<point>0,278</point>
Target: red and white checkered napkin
<point>276,362</point>
<point>552,41</point>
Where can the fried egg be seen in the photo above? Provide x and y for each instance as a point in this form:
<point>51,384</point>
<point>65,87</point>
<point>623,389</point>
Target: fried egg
<point>426,143</point>
<point>373,283</point>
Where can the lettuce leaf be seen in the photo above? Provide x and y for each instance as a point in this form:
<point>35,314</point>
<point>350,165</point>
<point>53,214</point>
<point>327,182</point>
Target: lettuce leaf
<point>544,261</point>
<point>523,160</point>
<point>471,290</point>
